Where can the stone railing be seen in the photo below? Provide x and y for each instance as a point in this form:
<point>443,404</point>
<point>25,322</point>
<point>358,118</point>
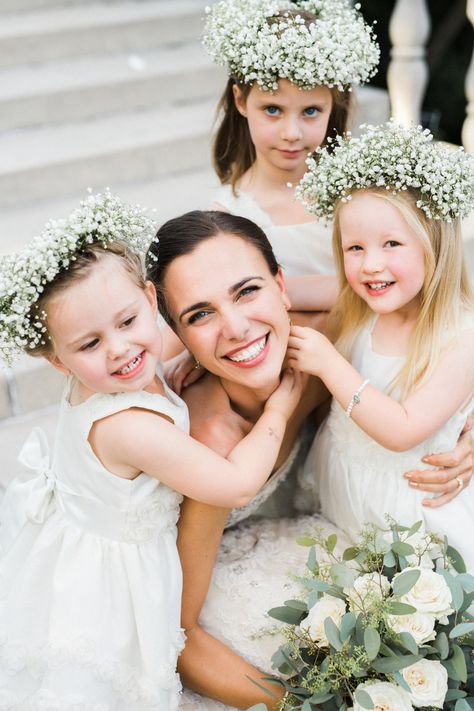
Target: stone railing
<point>408,70</point>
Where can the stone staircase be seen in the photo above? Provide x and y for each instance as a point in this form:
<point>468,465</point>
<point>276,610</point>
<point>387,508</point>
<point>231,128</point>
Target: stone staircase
<point>97,93</point>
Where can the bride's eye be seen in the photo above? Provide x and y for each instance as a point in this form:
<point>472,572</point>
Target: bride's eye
<point>248,290</point>
<point>197,316</point>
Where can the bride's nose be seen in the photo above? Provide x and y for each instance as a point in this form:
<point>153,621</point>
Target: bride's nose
<point>235,326</point>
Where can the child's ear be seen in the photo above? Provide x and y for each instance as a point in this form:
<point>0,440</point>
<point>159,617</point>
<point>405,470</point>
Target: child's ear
<point>240,102</point>
<point>150,293</point>
<point>56,363</point>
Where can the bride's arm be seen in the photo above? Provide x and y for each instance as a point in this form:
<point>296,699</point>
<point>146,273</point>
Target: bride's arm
<point>206,665</point>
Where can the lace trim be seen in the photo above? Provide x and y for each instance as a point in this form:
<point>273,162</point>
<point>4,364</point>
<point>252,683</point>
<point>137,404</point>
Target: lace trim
<point>154,518</point>
<point>127,682</point>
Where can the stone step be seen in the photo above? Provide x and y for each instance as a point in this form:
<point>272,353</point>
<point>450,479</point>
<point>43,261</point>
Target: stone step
<point>78,89</point>
<point>58,32</point>
<point>43,162</point>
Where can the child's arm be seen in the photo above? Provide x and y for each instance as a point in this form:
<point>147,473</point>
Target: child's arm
<point>138,440</point>
<point>395,425</point>
<point>312,292</point>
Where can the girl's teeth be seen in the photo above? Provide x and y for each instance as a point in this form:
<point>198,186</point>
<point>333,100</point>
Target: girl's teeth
<point>382,285</point>
<point>130,366</point>
<point>250,352</point>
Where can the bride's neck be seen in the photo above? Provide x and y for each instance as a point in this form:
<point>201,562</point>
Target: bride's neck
<point>248,402</point>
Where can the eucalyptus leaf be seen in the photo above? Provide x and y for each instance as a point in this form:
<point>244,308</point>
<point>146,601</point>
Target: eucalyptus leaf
<point>348,622</point>
<point>287,615</point>
<point>413,529</point>
<point>342,575</point>
<point>461,629</point>
<point>467,581</point>
<point>332,633</point>
<point>400,679</point>
<point>389,665</point>
<point>462,705</point>
<point>401,548</point>
<point>404,582</point>
<point>312,563</point>
<point>331,542</point>
<point>305,541</point>
<point>312,599</point>
<point>350,553</point>
<point>456,559</point>
<point>456,665</point>
<point>258,707</point>
<point>400,608</point>
<point>408,642</point>
<point>389,560</point>
<point>363,699</point>
<point>442,645</point>
<point>371,642</point>
<point>455,587</point>
<point>297,605</point>
<point>320,698</point>
<point>306,706</point>
<point>453,694</point>
<point>319,585</point>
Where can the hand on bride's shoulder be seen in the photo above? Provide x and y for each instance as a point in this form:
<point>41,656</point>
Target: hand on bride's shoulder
<point>213,421</point>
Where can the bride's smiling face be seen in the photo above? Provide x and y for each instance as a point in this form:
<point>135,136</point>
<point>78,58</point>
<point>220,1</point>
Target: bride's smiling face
<point>229,310</point>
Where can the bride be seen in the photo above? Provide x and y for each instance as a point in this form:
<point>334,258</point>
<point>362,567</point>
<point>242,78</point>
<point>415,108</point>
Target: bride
<point>220,288</point>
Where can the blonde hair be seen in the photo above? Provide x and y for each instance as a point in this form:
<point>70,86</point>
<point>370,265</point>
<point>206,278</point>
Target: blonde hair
<point>446,292</point>
<point>79,269</point>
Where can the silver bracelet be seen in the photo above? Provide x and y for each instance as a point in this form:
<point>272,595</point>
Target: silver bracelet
<point>355,399</point>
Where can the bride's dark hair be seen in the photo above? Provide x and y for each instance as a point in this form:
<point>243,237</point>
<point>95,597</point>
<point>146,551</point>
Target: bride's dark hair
<point>183,234</point>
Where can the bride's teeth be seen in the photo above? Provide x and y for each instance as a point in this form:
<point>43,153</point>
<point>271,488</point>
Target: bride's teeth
<point>130,366</point>
<point>250,352</point>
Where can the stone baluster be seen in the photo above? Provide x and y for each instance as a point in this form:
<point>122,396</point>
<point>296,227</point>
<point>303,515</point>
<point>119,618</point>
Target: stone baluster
<point>407,75</point>
<point>468,126</point>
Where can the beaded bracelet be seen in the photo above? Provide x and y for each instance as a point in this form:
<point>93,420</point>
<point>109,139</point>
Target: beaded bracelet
<point>355,400</point>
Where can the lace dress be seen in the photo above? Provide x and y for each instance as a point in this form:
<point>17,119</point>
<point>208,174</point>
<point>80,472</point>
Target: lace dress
<point>300,249</point>
<point>90,579</point>
<point>254,571</point>
<point>359,480</point>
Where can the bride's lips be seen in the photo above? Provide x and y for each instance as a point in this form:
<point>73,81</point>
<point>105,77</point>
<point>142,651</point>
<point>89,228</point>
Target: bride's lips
<point>250,355</point>
<point>135,366</point>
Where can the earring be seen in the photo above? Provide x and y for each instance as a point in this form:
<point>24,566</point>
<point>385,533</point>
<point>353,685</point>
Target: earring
<point>197,364</point>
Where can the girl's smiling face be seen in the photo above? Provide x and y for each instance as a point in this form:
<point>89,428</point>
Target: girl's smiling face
<point>384,260</point>
<point>287,124</point>
<point>229,310</point>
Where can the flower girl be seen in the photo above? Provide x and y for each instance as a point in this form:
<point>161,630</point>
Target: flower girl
<point>90,579</point>
<point>404,321</point>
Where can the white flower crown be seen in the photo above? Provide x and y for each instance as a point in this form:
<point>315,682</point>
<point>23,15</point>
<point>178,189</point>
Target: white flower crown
<point>396,158</point>
<point>265,40</point>
<point>100,218</point>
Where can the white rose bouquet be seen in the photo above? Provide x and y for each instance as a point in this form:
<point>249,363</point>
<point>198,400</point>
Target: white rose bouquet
<point>387,625</point>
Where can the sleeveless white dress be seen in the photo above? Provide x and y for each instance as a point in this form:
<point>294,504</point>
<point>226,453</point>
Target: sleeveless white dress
<point>299,249</point>
<point>90,579</point>
<point>359,480</point>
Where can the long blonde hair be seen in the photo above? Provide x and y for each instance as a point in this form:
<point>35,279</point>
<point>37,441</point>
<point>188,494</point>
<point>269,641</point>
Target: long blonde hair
<point>447,292</point>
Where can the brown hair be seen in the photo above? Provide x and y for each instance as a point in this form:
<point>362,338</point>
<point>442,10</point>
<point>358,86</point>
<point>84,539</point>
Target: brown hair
<point>182,235</point>
<point>77,270</point>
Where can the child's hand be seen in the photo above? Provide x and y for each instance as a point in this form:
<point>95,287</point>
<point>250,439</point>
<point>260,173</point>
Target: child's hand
<point>287,395</point>
<point>308,350</point>
<point>181,371</point>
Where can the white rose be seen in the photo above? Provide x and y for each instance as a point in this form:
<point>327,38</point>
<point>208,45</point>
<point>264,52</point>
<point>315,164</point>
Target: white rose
<point>326,606</point>
<point>428,681</point>
<point>419,625</point>
<point>385,697</point>
<point>430,594</point>
<point>369,585</point>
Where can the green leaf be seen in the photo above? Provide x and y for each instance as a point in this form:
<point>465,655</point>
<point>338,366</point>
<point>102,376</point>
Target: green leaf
<point>371,642</point>
<point>318,585</point>
<point>363,699</point>
<point>350,553</point>
<point>389,665</point>
<point>467,581</point>
<point>413,529</point>
<point>462,705</point>
<point>297,605</point>
<point>453,694</point>
<point>305,541</point>
<point>401,548</point>
<point>389,560</point>
<point>404,582</point>
<point>461,629</point>
<point>332,633</point>
<point>348,623</point>
<point>306,706</point>
<point>400,608</point>
<point>342,575</point>
<point>456,665</point>
<point>258,707</point>
<point>442,645</point>
<point>400,679</point>
<point>456,559</point>
<point>286,614</point>
<point>408,642</point>
<point>312,563</point>
<point>320,698</point>
<point>457,592</point>
<point>331,542</point>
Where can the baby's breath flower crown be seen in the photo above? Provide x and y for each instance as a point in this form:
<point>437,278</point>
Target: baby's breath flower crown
<point>396,158</point>
<point>100,218</point>
<point>265,40</point>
